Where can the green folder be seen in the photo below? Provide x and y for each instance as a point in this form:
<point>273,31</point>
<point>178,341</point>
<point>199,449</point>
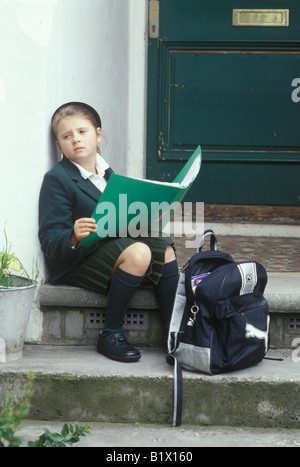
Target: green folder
<point>135,207</point>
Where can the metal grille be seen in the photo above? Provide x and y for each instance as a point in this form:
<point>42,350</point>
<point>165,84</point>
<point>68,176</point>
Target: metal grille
<point>294,324</point>
<point>96,320</point>
<point>132,320</point>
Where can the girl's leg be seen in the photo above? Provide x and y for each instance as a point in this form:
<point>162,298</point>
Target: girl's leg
<point>166,288</point>
<point>128,274</point>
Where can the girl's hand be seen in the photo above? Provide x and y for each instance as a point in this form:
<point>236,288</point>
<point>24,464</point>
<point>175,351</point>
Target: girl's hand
<point>82,228</point>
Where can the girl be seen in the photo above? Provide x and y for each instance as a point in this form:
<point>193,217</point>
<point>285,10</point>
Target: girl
<point>69,194</point>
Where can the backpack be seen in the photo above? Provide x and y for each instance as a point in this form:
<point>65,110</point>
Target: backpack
<point>220,319</point>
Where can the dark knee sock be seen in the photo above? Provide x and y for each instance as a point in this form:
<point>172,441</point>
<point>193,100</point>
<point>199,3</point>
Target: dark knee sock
<point>165,291</point>
<point>122,288</point>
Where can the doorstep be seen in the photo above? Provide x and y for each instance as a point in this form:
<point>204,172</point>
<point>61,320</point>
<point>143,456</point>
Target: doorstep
<point>78,384</point>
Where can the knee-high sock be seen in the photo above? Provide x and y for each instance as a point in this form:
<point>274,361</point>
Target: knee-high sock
<point>122,288</point>
<point>165,291</point>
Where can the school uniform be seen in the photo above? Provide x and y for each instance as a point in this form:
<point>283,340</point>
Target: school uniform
<point>68,194</point>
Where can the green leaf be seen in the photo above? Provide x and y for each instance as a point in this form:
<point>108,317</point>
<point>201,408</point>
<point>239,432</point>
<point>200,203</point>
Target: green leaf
<point>16,442</point>
<point>47,444</point>
<point>55,437</point>
<point>65,430</point>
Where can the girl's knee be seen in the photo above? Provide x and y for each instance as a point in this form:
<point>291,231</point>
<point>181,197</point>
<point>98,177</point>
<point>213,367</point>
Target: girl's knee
<point>140,253</point>
<point>135,259</point>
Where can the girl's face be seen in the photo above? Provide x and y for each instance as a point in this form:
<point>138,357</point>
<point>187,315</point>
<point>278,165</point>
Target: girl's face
<point>77,139</point>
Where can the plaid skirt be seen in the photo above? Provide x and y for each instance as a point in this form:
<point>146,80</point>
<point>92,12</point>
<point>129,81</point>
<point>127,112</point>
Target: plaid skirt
<point>95,272</point>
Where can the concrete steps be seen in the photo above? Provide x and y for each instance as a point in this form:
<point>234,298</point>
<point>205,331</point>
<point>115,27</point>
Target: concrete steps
<point>74,383</point>
<point>73,316</point>
<point>77,384</point>
<point>154,437</point>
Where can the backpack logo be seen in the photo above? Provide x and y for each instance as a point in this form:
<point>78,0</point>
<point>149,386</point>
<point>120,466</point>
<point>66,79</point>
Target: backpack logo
<point>248,277</point>
<point>252,331</point>
<point>190,322</point>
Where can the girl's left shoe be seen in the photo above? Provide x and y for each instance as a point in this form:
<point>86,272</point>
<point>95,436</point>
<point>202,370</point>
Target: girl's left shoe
<point>118,348</point>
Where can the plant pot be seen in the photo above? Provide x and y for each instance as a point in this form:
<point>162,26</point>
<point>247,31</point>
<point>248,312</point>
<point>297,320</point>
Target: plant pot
<point>15,307</point>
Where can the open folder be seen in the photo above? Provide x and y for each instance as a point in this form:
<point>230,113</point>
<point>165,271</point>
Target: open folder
<point>136,207</point>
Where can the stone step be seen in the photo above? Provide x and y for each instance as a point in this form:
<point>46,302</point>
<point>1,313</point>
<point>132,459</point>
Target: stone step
<point>77,384</point>
<point>160,438</point>
<point>73,316</point>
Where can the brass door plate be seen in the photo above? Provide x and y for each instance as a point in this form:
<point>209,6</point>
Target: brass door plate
<point>154,19</point>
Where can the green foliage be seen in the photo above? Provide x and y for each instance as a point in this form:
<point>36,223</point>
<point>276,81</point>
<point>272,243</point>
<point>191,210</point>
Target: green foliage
<point>10,263</point>
<point>68,436</point>
<point>12,413</point>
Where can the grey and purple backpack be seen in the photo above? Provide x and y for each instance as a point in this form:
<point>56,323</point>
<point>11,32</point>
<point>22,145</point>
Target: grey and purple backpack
<point>220,319</point>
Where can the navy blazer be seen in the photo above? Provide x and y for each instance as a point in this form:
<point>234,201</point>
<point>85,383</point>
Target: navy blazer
<point>65,196</point>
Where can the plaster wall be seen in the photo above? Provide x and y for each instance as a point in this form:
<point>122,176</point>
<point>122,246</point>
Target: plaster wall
<point>51,52</point>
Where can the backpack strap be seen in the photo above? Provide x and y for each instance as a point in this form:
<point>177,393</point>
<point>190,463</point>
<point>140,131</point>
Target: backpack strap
<point>177,313</point>
<point>175,335</point>
<point>213,240</point>
<point>173,343</point>
<point>178,390</point>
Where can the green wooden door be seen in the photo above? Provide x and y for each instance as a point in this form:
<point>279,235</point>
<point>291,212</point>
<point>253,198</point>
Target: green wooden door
<point>232,87</point>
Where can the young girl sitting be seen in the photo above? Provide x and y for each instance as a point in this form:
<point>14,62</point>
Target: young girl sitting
<point>68,197</point>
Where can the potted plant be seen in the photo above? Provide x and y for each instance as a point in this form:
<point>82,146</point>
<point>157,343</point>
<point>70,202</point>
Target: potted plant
<point>16,298</point>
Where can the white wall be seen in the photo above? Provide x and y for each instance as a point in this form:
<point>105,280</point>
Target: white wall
<point>51,52</point>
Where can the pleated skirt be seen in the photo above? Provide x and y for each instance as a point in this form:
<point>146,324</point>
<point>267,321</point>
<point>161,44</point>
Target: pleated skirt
<point>95,272</point>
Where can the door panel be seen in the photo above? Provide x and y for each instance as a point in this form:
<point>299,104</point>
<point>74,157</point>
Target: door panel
<point>229,89</point>
<point>227,101</point>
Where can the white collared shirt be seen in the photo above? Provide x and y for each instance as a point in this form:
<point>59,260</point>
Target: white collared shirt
<point>98,180</point>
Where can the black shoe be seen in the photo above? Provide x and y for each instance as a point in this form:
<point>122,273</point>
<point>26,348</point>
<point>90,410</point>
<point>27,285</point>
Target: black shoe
<point>118,348</point>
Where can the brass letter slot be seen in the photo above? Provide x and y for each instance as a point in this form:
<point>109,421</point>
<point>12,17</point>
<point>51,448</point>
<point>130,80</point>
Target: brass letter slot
<point>260,17</point>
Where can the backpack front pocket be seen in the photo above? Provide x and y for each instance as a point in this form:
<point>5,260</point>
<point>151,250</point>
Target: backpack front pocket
<point>241,332</point>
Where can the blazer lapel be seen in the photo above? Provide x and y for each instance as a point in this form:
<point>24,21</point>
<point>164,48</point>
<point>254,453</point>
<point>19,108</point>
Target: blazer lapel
<point>84,185</point>
<point>89,188</point>
<point>108,173</point>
